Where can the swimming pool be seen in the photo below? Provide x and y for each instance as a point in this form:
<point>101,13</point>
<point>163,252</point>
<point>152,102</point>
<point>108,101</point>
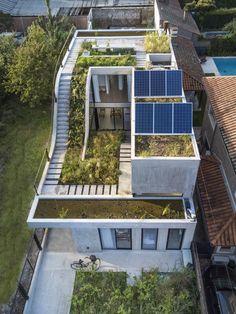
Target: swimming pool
<point>226,66</point>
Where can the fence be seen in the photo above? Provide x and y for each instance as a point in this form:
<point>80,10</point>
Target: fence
<point>24,282</point>
<point>200,284</point>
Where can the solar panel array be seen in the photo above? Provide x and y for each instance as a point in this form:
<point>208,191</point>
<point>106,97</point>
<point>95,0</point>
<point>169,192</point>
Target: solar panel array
<point>158,83</point>
<point>163,118</point>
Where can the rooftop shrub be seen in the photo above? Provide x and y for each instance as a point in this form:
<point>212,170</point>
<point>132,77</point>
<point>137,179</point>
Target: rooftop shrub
<point>152,292</point>
<point>164,145</point>
<point>155,43</point>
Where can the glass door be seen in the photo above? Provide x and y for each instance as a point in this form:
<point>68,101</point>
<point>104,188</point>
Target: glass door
<point>175,239</point>
<point>112,239</point>
<point>123,238</point>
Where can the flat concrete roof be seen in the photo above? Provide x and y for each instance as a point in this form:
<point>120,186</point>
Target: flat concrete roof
<point>131,208</point>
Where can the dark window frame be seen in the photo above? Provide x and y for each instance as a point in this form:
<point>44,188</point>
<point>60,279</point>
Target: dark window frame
<point>182,238</point>
<point>130,232</point>
<point>157,231</point>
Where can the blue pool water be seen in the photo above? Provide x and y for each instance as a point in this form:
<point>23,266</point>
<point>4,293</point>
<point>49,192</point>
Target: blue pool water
<point>226,66</point>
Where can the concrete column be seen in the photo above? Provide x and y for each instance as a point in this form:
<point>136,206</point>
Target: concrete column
<point>96,88</point>
<point>162,239</point>
<point>136,239</point>
<point>129,84</point>
<point>188,235</point>
<point>86,239</point>
<point>120,82</point>
<point>107,84</point>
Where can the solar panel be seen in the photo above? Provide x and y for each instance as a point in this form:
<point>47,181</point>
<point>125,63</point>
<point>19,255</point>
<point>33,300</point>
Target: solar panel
<point>163,118</point>
<point>141,83</point>
<point>158,85</point>
<point>144,118</point>
<point>183,118</point>
<point>174,83</point>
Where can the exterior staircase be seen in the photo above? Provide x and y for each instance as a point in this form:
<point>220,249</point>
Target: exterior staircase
<point>124,186</point>
<point>125,152</point>
<point>63,107</point>
<point>140,58</point>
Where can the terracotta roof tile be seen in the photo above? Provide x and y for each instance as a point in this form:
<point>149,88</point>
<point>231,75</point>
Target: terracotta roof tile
<point>218,214</point>
<point>187,60</point>
<point>221,91</point>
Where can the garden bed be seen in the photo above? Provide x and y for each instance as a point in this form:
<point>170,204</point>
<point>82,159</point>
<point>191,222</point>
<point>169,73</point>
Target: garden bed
<point>164,145</point>
<point>110,209</point>
<point>153,292</point>
<point>101,165</point>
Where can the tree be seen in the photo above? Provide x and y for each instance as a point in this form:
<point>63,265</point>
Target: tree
<point>5,22</point>
<point>231,28</point>
<point>31,72</point>
<point>7,49</point>
<point>200,5</point>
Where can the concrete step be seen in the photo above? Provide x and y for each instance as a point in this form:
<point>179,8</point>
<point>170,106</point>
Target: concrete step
<point>53,176</point>
<point>125,145</point>
<point>54,171</point>
<point>55,166</point>
<point>125,159</point>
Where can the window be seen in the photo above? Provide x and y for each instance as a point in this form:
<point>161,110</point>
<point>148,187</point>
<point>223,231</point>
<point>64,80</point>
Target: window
<point>175,239</point>
<point>112,239</point>
<point>149,239</point>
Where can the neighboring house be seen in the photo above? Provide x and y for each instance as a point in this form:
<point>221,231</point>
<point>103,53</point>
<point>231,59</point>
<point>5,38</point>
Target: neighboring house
<point>144,104</point>
<point>217,177</point>
<point>187,60</point>
<point>170,15</point>
<point>120,13</point>
<point>218,214</point>
<point>219,127</point>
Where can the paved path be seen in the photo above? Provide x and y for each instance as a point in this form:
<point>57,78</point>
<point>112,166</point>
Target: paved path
<point>54,281</point>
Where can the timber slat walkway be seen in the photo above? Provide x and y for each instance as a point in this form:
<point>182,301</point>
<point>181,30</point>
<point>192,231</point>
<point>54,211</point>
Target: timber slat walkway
<point>50,189</point>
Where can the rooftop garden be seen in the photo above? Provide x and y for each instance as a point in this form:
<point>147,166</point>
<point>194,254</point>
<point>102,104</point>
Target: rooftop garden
<point>161,100</point>
<point>110,209</point>
<point>94,50</point>
<point>152,292</point>
<point>101,165</point>
<point>155,43</point>
<point>163,145</point>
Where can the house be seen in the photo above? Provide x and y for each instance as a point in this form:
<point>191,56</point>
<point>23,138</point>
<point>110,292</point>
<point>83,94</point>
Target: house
<point>217,178</point>
<point>150,208</point>
<point>219,125</point>
<point>80,12</point>
<point>170,16</point>
<point>187,60</point>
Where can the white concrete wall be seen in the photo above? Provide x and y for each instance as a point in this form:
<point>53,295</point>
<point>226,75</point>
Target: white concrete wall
<point>88,240</point>
<point>159,57</point>
<point>156,16</point>
<point>169,175</point>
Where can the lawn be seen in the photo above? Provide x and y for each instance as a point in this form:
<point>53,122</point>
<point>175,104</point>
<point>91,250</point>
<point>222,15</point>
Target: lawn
<point>23,134</point>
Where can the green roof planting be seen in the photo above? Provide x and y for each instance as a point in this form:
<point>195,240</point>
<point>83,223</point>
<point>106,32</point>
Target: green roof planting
<point>110,209</point>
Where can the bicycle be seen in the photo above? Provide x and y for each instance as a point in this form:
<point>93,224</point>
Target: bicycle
<point>89,262</point>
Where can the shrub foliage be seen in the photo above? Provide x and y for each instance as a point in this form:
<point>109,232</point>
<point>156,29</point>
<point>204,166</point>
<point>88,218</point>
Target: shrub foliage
<point>108,293</point>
